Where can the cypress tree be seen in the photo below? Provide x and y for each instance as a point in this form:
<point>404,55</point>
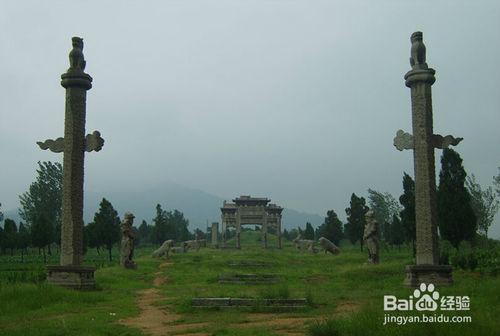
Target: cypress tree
<point>107,225</point>
<point>331,229</point>
<point>309,231</point>
<point>355,225</point>
<point>407,215</point>
<point>456,218</point>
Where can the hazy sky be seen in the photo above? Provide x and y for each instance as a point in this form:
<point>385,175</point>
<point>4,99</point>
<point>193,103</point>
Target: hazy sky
<point>295,100</point>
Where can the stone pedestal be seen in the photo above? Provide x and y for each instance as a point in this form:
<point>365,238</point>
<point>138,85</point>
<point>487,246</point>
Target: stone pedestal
<point>74,277</point>
<point>440,275</point>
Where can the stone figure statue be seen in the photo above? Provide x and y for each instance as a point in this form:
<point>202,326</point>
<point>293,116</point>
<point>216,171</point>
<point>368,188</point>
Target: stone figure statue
<point>371,238</point>
<point>128,237</point>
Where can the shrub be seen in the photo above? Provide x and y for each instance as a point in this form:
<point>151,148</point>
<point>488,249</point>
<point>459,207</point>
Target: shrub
<point>446,250</point>
<point>484,256</point>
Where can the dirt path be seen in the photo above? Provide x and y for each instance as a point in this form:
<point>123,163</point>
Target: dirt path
<point>156,321</point>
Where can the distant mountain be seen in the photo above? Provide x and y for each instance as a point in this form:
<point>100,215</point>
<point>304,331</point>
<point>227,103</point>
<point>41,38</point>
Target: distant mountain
<point>198,206</point>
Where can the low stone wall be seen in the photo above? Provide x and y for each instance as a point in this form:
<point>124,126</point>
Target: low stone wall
<point>248,279</point>
<point>247,302</point>
<point>248,263</point>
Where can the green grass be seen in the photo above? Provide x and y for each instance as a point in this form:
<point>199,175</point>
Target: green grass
<point>42,309</point>
<point>346,295</point>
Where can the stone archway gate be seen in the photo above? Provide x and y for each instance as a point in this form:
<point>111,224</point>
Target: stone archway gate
<point>247,210</point>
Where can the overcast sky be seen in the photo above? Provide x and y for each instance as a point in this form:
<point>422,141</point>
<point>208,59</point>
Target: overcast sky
<point>298,101</point>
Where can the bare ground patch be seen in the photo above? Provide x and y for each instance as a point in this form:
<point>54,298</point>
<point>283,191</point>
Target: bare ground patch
<point>156,321</point>
<point>347,307</point>
<point>291,326</point>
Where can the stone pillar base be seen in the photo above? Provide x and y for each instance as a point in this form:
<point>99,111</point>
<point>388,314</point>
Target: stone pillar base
<point>74,277</point>
<point>436,274</point>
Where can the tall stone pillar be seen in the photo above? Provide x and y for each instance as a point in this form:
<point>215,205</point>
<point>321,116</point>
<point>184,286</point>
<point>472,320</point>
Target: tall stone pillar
<point>264,231</point>
<point>223,231</point>
<point>70,273</point>
<point>278,229</point>
<point>423,141</point>
<point>215,234</point>
<point>238,230</point>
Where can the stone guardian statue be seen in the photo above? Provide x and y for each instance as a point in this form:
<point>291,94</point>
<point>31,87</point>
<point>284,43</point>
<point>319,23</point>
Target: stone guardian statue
<point>371,237</point>
<point>128,237</point>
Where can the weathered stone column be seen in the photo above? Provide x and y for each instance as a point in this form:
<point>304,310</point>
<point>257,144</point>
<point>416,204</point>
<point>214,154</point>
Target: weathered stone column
<point>70,273</point>
<point>215,233</point>
<point>423,141</point>
<point>238,230</point>
<point>223,230</point>
<point>76,84</point>
<point>264,231</point>
<point>278,229</point>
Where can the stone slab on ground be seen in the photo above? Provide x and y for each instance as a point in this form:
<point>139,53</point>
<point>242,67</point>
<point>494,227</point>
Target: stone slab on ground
<point>247,302</point>
<point>248,263</point>
<point>248,279</point>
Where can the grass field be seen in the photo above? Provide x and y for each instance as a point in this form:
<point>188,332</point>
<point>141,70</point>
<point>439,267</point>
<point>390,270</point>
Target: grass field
<point>345,296</point>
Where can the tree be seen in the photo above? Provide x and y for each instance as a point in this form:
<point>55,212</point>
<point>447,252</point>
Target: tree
<point>41,232</point>
<point>286,234</point>
<point>496,182</point>
<point>23,239</point>
<point>44,196</point>
<point>331,229</point>
<point>178,226</point>
<point>144,232</point>
<point>107,225</point>
<point>160,226</point>
<point>385,206</point>
<point>170,225</point>
<point>94,238</point>
<point>10,235</point>
<point>294,233</point>
<point>396,231</point>
<point>356,219</point>
<point>407,215</point>
<point>198,234</point>
<point>2,240</point>
<point>308,232</point>
<point>483,202</point>
<point>457,221</point>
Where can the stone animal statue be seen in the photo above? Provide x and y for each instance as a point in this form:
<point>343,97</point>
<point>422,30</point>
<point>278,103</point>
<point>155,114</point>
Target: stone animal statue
<point>177,249</point>
<point>191,244</point>
<point>328,246</point>
<point>164,249</point>
<point>417,59</point>
<point>305,244</point>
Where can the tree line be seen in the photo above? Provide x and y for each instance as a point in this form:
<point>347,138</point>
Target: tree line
<point>40,227</point>
<point>464,209</point>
